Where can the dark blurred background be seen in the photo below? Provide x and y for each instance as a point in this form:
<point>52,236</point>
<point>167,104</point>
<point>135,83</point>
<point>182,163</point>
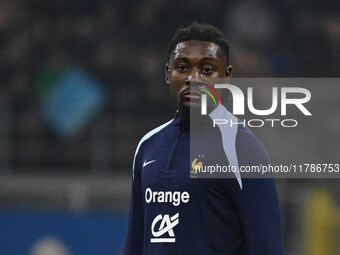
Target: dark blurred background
<point>81,81</point>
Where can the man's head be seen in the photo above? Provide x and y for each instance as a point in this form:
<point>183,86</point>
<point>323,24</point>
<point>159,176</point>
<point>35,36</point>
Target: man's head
<point>196,53</point>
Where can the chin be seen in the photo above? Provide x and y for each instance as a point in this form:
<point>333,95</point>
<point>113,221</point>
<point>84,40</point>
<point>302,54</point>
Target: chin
<point>188,108</point>
<point>189,105</point>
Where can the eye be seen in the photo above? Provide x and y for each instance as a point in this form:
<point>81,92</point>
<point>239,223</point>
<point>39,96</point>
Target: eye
<point>207,70</point>
<point>182,68</point>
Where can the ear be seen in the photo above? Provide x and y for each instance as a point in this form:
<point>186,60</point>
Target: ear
<point>167,73</point>
<point>228,71</point>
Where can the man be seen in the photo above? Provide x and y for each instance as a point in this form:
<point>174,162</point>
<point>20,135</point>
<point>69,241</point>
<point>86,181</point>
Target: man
<point>171,213</point>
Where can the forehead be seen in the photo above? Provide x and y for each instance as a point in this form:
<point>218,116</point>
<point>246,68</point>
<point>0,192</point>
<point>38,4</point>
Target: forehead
<point>197,49</point>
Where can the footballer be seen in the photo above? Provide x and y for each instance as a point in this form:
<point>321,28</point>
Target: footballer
<point>174,214</point>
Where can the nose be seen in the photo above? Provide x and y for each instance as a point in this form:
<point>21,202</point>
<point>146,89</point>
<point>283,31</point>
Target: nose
<point>193,77</point>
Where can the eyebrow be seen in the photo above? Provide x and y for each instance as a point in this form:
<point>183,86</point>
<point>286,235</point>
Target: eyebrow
<point>187,59</point>
<point>210,59</point>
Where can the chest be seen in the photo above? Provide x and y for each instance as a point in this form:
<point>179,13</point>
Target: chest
<point>169,162</point>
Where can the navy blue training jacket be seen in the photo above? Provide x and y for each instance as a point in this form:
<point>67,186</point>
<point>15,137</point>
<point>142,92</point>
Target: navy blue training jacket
<point>172,213</point>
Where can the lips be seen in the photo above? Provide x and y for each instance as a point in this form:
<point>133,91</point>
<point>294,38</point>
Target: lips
<point>192,94</point>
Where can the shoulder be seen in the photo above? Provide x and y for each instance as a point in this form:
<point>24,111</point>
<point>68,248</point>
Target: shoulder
<point>152,133</point>
<point>147,137</point>
<point>250,149</point>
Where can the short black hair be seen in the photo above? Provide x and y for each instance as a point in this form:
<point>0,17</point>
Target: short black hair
<point>201,32</point>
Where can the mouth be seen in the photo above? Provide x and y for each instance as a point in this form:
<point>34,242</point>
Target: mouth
<point>190,98</point>
<point>192,95</point>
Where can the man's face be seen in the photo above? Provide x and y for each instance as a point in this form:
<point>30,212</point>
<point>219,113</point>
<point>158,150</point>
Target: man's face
<point>192,62</point>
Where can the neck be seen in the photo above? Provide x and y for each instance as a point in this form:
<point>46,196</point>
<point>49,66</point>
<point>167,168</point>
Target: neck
<point>193,115</point>
<point>184,114</point>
